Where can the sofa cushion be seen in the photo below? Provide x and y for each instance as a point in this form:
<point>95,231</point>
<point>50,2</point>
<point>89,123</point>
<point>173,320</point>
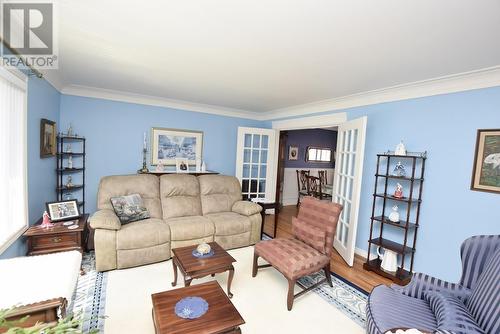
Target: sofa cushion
<point>484,301</point>
<point>180,196</point>
<point>229,223</point>
<point>291,257</point>
<point>129,208</point>
<point>189,228</point>
<point>219,193</point>
<point>389,309</point>
<point>148,186</point>
<point>451,314</point>
<point>142,233</point>
<point>246,208</point>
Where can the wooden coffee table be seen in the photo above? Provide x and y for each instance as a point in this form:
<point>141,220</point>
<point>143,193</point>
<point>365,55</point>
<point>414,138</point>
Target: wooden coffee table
<point>192,267</point>
<point>221,317</point>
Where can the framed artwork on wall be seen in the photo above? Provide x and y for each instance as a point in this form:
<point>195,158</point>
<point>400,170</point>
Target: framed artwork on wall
<point>486,171</point>
<point>47,138</point>
<point>293,153</point>
<point>169,144</point>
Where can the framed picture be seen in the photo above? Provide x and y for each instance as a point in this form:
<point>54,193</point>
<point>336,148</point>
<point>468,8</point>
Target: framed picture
<point>293,153</point>
<point>169,144</point>
<point>181,165</point>
<point>63,210</point>
<point>486,171</point>
<point>47,138</point>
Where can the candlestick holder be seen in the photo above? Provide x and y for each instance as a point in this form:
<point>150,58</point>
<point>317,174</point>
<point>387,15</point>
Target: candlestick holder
<point>144,168</point>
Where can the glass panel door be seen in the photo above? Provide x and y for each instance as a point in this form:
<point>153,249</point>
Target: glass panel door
<point>254,159</point>
<point>348,174</point>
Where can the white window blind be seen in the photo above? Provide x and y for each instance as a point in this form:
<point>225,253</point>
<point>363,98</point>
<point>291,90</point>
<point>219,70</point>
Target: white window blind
<point>13,161</point>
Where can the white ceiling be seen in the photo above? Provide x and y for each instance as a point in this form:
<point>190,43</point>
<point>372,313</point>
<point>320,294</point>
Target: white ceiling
<point>260,56</point>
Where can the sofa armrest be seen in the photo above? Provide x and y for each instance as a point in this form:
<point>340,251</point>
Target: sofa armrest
<point>420,283</point>
<point>105,219</point>
<point>246,208</point>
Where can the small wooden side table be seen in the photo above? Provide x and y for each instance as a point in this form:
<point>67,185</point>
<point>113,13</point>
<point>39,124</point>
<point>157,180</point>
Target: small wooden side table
<point>269,205</point>
<point>58,238</point>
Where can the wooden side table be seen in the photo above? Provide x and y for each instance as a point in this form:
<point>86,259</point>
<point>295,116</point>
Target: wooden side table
<point>268,205</point>
<point>57,238</point>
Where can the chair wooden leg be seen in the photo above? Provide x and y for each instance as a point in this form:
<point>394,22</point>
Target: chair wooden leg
<point>255,265</point>
<point>289,300</point>
<point>327,274</point>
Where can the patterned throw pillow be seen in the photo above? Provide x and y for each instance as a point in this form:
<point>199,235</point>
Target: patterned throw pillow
<point>129,208</point>
<point>310,235</point>
<point>451,314</point>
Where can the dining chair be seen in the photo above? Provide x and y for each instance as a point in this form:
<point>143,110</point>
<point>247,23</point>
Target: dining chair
<point>317,189</point>
<point>302,184</point>
<point>323,176</point>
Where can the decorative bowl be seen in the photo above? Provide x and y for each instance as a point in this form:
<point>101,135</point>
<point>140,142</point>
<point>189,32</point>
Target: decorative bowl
<point>203,248</point>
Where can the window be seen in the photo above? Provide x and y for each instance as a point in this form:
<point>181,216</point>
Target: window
<point>13,161</point>
<point>318,154</point>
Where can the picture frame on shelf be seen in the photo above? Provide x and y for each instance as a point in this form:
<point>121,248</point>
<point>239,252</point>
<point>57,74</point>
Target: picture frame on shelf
<point>293,153</point>
<point>63,210</point>
<point>486,170</point>
<point>181,165</point>
<point>47,138</point>
<point>169,144</point>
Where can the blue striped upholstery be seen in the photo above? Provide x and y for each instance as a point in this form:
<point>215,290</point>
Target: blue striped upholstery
<point>451,314</point>
<point>478,288</point>
<point>484,302</point>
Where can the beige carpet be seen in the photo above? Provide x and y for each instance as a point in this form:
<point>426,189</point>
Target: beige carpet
<point>261,300</point>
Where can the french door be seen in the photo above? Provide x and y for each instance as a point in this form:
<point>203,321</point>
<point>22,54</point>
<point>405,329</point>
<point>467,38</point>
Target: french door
<point>255,166</point>
<point>347,184</point>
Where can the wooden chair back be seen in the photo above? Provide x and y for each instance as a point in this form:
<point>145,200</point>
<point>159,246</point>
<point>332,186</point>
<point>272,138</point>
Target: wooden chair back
<point>302,179</point>
<point>314,187</point>
<point>323,176</point>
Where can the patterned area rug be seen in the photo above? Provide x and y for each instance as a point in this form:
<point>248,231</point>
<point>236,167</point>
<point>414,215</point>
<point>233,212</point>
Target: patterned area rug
<point>90,296</point>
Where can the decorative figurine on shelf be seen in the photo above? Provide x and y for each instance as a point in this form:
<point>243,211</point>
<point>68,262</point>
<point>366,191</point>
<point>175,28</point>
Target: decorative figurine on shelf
<point>399,170</point>
<point>68,196</point>
<point>398,193</point>
<point>160,167</point>
<point>70,162</point>
<point>69,182</point>
<point>69,133</point>
<point>203,167</point>
<point>198,165</point>
<point>68,149</point>
<point>394,215</point>
<point>144,168</point>
<point>400,149</point>
<point>46,223</point>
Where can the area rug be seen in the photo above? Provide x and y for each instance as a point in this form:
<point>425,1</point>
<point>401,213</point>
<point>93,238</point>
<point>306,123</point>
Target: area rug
<point>120,301</point>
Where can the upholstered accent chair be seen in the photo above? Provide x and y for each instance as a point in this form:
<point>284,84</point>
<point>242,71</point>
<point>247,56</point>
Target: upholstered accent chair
<point>302,184</point>
<point>308,251</point>
<point>429,304</point>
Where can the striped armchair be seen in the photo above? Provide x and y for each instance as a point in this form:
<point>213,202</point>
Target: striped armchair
<point>434,306</point>
<point>308,251</point>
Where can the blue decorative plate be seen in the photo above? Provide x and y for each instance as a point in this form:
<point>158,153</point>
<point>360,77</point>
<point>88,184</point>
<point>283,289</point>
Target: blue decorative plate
<point>191,307</point>
<point>202,256</point>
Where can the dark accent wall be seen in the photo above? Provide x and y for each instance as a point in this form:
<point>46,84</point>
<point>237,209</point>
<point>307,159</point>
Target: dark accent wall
<point>310,137</point>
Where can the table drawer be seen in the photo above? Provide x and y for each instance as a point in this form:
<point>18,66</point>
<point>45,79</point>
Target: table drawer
<point>59,240</point>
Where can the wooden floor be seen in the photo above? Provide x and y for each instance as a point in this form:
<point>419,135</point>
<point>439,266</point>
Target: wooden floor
<point>356,274</point>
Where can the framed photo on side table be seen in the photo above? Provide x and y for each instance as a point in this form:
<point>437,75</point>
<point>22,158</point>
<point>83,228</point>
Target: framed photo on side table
<point>63,210</point>
<point>169,144</point>
<point>486,171</point>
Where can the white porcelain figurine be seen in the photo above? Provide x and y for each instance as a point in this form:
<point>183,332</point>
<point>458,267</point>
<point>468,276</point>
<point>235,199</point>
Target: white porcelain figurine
<point>400,149</point>
<point>394,215</point>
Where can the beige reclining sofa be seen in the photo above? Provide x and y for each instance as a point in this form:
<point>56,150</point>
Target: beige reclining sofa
<point>184,210</point>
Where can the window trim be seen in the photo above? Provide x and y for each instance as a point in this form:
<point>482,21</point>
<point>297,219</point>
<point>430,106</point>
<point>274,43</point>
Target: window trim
<point>319,161</point>
<point>19,79</point>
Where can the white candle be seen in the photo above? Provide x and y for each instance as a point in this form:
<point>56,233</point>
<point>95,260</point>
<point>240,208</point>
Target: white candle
<point>144,140</point>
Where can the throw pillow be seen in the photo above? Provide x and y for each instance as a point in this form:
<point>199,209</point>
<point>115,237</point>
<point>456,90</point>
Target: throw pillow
<point>129,208</point>
<point>310,235</point>
<point>451,314</point>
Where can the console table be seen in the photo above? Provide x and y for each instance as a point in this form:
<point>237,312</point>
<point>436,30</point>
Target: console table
<point>265,204</point>
<point>208,172</point>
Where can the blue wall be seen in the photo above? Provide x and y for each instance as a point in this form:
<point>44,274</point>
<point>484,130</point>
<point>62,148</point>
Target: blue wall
<point>43,102</point>
<point>114,132</point>
<point>445,126</point>
<point>310,137</point>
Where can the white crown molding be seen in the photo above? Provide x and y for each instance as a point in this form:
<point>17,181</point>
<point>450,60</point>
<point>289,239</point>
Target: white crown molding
<point>484,78</point>
<point>308,122</point>
<point>121,96</point>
